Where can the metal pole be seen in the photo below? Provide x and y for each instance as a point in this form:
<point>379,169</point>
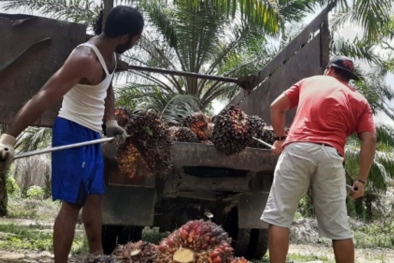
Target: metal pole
<point>182,73</point>
<point>63,147</point>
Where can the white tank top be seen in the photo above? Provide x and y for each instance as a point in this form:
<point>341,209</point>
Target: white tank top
<point>84,104</point>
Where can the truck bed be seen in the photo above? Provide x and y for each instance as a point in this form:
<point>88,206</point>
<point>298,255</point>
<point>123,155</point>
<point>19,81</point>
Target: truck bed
<point>199,154</point>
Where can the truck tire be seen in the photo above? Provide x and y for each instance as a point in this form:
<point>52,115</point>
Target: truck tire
<point>109,234</point>
<point>129,233</point>
<point>258,243</point>
<point>248,243</point>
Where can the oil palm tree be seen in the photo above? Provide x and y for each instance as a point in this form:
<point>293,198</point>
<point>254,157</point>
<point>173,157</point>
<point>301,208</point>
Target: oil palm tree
<point>381,174</point>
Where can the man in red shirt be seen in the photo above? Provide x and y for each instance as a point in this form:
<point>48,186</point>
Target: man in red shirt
<point>312,154</point>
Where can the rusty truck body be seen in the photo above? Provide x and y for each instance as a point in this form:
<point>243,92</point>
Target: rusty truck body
<point>231,191</point>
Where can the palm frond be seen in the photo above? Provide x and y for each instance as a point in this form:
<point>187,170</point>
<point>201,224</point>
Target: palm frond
<point>382,169</point>
<point>180,106</point>
<point>34,138</point>
<point>385,136</point>
<point>357,49</point>
<point>80,11</point>
<point>371,15</point>
<point>172,108</point>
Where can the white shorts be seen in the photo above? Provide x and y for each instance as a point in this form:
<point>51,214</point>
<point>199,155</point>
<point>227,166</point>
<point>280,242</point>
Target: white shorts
<point>304,165</point>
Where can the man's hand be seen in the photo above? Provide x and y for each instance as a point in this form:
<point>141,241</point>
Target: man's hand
<point>113,129</point>
<point>357,190</point>
<point>6,151</point>
<point>278,147</point>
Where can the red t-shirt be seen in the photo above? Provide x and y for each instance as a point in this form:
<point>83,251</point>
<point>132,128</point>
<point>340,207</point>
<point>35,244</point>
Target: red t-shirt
<point>328,112</point>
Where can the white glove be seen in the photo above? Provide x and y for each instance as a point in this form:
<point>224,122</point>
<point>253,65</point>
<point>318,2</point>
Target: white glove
<point>7,143</point>
<point>112,129</point>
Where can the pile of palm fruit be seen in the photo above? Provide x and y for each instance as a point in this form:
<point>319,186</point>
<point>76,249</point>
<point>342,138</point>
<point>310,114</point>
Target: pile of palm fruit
<point>197,241</point>
<point>147,151</point>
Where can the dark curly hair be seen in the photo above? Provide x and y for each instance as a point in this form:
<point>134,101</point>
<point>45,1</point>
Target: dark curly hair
<point>124,20</point>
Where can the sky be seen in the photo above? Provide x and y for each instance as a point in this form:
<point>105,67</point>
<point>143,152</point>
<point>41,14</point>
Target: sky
<point>347,31</point>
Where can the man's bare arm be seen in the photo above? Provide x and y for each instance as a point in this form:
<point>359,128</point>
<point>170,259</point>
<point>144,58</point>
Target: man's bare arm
<point>109,113</point>
<point>278,110</point>
<point>73,70</point>
<point>367,153</point>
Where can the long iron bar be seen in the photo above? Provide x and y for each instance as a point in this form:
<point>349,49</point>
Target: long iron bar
<point>63,147</point>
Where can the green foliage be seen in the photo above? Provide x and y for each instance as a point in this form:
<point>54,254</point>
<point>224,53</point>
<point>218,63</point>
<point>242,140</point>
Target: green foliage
<point>305,207</point>
<point>12,187</point>
<point>35,192</point>
<point>376,234</point>
<point>80,11</point>
<point>36,238</point>
<point>28,208</point>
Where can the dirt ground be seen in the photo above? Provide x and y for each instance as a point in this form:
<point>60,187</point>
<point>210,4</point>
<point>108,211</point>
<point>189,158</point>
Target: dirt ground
<point>362,255</point>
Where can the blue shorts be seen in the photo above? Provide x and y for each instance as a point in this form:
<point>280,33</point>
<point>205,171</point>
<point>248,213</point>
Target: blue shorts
<point>76,172</point>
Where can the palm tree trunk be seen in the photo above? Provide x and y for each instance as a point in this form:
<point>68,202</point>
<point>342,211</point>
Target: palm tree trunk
<point>3,184</point>
<point>3,194</point>
<point>108,5</point>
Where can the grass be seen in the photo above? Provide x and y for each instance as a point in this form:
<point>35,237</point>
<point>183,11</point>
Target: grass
<point>32,208</point>
<point>36,238</point>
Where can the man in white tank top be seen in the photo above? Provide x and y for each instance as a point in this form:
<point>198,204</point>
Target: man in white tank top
<point>84,84</point>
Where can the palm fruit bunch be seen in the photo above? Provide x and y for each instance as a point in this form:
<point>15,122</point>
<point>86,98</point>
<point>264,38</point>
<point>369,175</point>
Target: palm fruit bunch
<point>138,252</point>
<point>182,134</point>
<point>231,131</point>
<point>130,161</point>
<point>198,123</point>
<point>195,241</point>
<point>220,254</point>
<point>151,137</point>
<point>268,135</point>
<point>239,260</point>
<point>209,131</point>
<point>257,126</point>
<point>122,116</point>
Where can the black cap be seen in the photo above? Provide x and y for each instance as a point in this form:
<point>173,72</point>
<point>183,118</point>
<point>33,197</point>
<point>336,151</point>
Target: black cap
<point>345,64</point>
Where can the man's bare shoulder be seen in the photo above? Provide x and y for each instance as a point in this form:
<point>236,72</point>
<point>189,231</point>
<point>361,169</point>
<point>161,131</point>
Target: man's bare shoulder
<point>83,58</point>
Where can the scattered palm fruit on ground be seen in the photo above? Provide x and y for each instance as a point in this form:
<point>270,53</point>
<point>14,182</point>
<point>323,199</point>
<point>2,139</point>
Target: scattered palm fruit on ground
<point>231,131</point>
<point>239,260</point>
<point>182,134</point>
<point>101,259</point>
<point>198,123</point>
<point>136,252</point>
<point>195,241</point>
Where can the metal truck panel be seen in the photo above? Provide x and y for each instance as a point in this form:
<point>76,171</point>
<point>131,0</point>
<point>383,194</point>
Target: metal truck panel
<point>32,49</point>
<point>198,154</point>
<point>125,205</point>
<point>305,56</point>
<point>250,208</point>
